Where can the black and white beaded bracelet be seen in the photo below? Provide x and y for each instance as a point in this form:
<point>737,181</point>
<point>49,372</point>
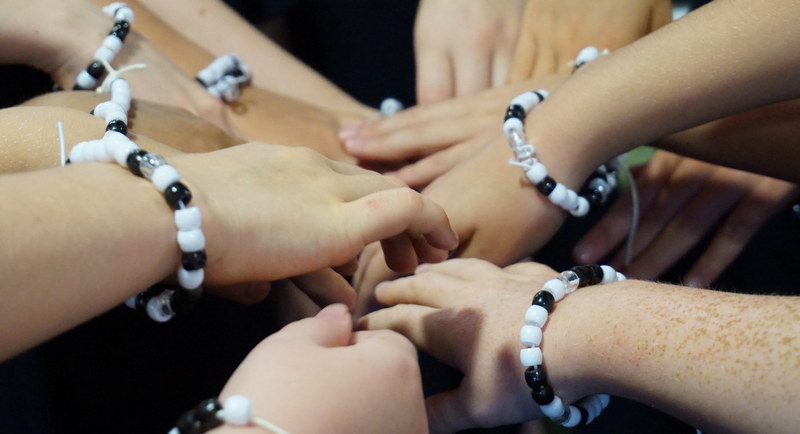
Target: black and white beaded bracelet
<point>104,55</point>
<point>587,409</point>
<point>160,304</point>
<point>585,56</point>
<point>601,185</point>
<point>209,414</point>
<point>223,76</point>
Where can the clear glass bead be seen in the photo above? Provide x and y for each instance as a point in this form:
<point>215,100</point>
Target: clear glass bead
<point>149,163</point>
<point>517,139</point>
<point>570,279</point>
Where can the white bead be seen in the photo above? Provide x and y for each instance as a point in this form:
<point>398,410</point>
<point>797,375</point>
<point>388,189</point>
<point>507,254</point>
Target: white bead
<point>131,302</point>
<point>554,409</point>
<point>621,277</point>
<point>530,335</point>
<point>571,202</point>
<point>247,74</point>
<point>593,406</point>
<point>192,240</point>
<point>582,209</point>
<point>118,145</point>
<point>555,287</point>
<point>511,126</point>
<point>236,410</point>
<point>536,173</point>
<point>528,100</point>
<point>164,176</point>
<point>587,55</point>
<point>609,274</point>
<point>190,279</point>
<point>110,111</point>
<point>113,43</point>
<point>530,356</point>
<point>124,14</point>
<point>390,106</point>
<point>604,399</point>
<point>574,417</point>
<point>85,80</point>
<point>96,151</point>
<point>188,219</point>
<point>536,316</point>
<point>104,53</point>
<point>155,310</point>
<point>174,431</point>
<point>207,76</point>
<point>558,195</point>
<point>77,154</point>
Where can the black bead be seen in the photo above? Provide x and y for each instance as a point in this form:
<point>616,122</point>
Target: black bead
<point>96,69</point>
<point>236,72</point>
<point>597,274</point>
<point>543,395</point>
<point>584,273</point>
<point>194,260</point>
<point>68,161</point>
<point>584,415</point>
<point>134,159</point>
<point>200,419</point>
<point>595,198</point>
<point>118,126</point>
<point>535,376</point>
<point>120,30</point>
<point>546,186</point>
<point>176,194</point>
<point>541,97</point>
<point>545,300</point>
<point>515,111</point>
<point>184,300</point>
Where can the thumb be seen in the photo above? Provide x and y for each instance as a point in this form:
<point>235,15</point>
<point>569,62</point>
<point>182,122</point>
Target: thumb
<point>331,327</point>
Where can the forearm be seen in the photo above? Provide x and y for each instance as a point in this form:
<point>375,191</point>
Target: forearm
<point>652,87</point>
<point>213,25</point>
<point>723,362</point>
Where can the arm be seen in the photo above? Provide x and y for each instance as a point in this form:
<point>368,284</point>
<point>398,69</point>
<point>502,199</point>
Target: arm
<point>213,25</point>
<point>722,362</point>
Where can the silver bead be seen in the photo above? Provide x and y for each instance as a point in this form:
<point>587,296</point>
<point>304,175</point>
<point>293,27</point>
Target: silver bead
<point>149,163</point>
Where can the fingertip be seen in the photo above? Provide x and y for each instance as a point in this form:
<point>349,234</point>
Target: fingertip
<point>421,268</point>
<point>348,132</point>
<point>584,254</point>
<point>334,312</point>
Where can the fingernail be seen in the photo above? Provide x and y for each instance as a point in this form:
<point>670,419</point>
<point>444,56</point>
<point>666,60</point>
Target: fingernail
<point>421,268</point>
<point>354,144</point>
<point>348,131</point>
<point>583,255</point>
<point>381,287</point>
<point>333,312</point>
<point>693,282</point>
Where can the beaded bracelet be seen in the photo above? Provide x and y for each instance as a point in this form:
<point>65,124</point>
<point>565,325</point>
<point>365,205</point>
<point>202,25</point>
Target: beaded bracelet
<point>601,185</point>
<point>209,414</point>
<point>123,18</point>
<point>585,56</point>
<point>587,409</point>
<point>223,76</point>
<point>160,304</point>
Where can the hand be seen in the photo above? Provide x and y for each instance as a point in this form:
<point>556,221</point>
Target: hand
<point>438,135</point>
<point>316,375</point>
<point>271,212</point>
<point>553,32</point>
<point>681,201</point>
<point>463,46</point>
<point>467,313</point>
<point>498,215</point>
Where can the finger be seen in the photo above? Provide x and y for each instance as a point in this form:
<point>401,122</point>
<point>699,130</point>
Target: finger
<point>331,327</point>
<point>446,412</point>
<point>738,229</point>
<point>685,229</point>
<point>372,272</point>
<point>530,270</point>
<point>345,168</point>
<point>390,212</point>
<point>354,187</point>
<point>434,76</point>
<point>500,65</point>
<point>427,253</point>
<point>430,330</point>
<point>463,268</point>
<point>421,139</point>
<point>424,171</point>
<point>473,71</point>
<point>429,289</point>
<point>245,292</point>
<point>399,253</point>
<point>325,287</point>
<point>347,269</point>
<point>524,57</point>
<point>385,341</point>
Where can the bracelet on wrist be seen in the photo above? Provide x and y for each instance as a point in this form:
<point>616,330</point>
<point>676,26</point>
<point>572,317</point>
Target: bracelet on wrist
<point>586,409</point>
<point>109,48</point>
<point>209,414</point>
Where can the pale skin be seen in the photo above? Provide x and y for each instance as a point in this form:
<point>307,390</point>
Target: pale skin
<point>243,193</point>
<point>345,374</point>
<point>721,362</point>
